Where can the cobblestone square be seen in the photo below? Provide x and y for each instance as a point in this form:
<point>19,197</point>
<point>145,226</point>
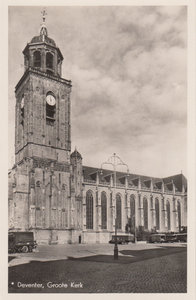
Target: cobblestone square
<point>141,268</point>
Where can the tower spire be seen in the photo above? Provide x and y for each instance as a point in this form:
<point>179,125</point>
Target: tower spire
<point>43,30</point>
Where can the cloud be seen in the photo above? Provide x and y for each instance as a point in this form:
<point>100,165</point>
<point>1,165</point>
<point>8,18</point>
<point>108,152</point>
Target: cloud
<point>128,70</point>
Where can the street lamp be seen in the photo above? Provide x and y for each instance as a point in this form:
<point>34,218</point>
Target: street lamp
<point>115,161</point>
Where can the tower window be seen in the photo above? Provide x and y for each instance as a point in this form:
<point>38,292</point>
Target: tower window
<point>22,111</point>
<point>49,63</point>
<point>50,109</point>
<point>37,59</point>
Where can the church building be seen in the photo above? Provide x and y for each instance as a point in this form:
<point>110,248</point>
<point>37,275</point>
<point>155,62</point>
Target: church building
<point>50,191</point>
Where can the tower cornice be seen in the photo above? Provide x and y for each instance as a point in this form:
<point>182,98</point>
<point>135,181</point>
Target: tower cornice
<point>31,70</point>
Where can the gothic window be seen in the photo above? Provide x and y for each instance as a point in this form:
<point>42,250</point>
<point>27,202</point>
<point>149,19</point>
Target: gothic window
<point>145,208</point>
<point>49,63</point>
<point>157,214</point>
<point>132,212</point>
<point>163,204</point>
<point>168,215</point>
<point>132,207</point>
<point>37,59</point>
<point>151,202</point>
<point>118,212</point>
<point>103,210</point>
<point>89,210</point>
<point>179,214</point>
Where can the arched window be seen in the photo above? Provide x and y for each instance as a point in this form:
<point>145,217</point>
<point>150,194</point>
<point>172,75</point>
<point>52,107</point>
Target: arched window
<point>168,215</point>
<point>179,215</point>
<point>151,202</point>
<point>132,213</point>
<point>89,210</point>
<point>118,212</point>
<point>163,203</point>
<point>49,63</point>
<point>103,210</point>
<point>157,214</point>
<point>145,208</point>
<point>132,208</point>
<point>37,59</point>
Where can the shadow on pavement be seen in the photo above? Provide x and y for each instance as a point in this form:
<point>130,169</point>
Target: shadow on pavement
<point>135,255</point>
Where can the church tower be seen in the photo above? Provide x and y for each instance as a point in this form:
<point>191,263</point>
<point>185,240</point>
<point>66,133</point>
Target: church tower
<point>42,103</point>
<point>39,183</point>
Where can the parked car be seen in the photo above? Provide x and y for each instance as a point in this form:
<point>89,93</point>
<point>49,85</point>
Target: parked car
<point>157,238</point>
<point>21,241</point>
<point>122,239</point>
<point>181,237</point>
<point>171,238</point>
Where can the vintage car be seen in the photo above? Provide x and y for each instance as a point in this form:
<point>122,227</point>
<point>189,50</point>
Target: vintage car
<point>122,239</point>
<point>21,241</point>
<point>176,237</point>
<point>171,238</point>
<point>182,237</point>
<point>157,238</point>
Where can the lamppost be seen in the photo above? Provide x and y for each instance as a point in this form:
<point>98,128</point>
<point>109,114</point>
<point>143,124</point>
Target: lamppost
<point>115,161</point>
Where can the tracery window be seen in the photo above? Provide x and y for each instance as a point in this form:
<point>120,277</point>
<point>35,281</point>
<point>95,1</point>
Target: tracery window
<point>118,211</point>
<point>103,210</point>
<point>132,208</point>
<point>157,214</point>
<point>145,208</point>
<point>168,215</point>
<point>89,210</point>
<point>179,214</point>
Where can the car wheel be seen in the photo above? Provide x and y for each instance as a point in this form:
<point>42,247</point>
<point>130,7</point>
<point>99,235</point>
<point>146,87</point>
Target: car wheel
<point>25,249</point>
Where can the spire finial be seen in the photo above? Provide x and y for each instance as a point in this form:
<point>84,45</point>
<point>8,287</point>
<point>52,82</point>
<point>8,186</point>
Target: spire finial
<point>43,30</point>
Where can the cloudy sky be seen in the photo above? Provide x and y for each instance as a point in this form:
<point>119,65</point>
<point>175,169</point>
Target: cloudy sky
<point>128,70</point>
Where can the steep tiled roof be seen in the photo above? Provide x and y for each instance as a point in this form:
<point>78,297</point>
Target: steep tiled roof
<point>178,180</point>
<point>89,173</point>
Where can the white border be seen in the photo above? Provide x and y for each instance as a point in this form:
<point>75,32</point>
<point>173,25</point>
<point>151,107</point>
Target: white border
<point>191,151</point>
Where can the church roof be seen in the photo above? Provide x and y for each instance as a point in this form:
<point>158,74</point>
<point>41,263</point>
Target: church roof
<point>38,39</point>
<point>179,180</point>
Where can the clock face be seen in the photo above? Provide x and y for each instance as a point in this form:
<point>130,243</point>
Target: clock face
<point>22,102</point>
<point>51,100</point>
